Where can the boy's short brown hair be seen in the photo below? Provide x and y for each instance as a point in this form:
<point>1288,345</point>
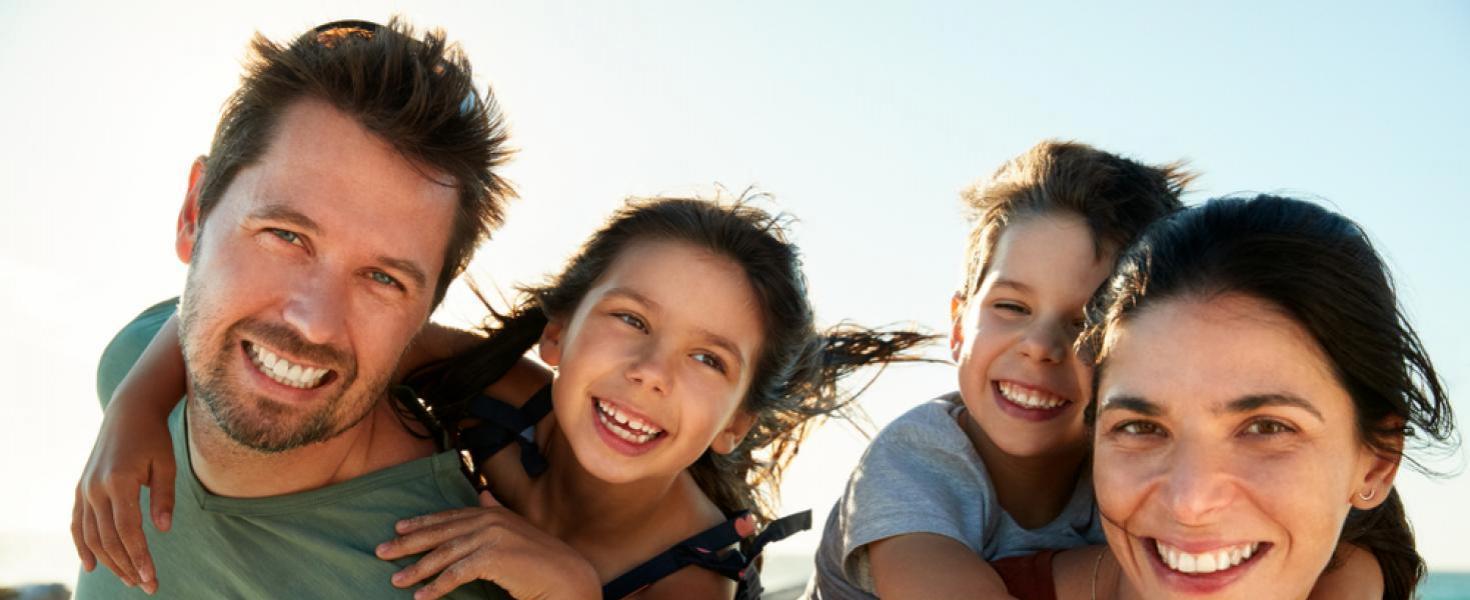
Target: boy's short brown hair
<point>416,94</point>
<point>1116,196</point>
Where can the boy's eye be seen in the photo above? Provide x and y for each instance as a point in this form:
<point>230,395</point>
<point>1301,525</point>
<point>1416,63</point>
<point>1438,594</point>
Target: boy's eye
<point>290,237</point>
<point>710,360</point>
<point>632,320</point>
<point>1013,307</point>
<point>1268,427</point>
<point>385,279</point>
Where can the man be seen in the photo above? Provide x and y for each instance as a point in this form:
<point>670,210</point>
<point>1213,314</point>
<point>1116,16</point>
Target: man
<point>348,183</point>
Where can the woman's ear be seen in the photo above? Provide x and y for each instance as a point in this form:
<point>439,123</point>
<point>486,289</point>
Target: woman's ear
<point>728,439</point>
<point>550,344</point>
<point>957,325</point>
<point>1378,470</point>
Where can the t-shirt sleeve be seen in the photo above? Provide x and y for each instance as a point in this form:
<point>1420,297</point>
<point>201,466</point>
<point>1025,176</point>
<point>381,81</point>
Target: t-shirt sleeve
<point>918,476</point>
<point>129,343</point>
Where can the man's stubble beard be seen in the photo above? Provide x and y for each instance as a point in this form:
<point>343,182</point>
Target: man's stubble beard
<point>260,423</point>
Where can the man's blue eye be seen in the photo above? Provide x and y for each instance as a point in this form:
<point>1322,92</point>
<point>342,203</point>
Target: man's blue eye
<point>289,237</point>
<point>384,279</point>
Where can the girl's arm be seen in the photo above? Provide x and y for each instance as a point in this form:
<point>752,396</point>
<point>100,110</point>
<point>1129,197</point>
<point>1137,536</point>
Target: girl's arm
<point>133,449</point>
<point>492,543</point>
<point>927,565</point>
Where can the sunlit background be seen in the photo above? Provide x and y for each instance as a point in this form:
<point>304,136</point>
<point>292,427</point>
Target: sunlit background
<point>864,121</point>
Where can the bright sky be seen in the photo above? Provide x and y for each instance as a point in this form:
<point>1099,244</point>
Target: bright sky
<point>865,122</point>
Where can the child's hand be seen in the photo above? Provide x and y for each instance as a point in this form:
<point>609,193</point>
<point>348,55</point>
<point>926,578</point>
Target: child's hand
<point>489,542</point>
<point>133,449</point>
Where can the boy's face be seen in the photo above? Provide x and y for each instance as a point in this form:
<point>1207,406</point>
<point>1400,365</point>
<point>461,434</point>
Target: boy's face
<point>307,279</point>
<point>1020,379</point>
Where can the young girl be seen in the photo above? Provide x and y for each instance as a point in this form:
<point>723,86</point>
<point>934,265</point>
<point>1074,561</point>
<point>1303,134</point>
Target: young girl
<point>687,370</point>
<point>999,468</point>
<point>1255,379</point>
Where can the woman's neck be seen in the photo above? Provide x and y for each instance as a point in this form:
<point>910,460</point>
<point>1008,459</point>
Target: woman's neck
<point>1032,489</point>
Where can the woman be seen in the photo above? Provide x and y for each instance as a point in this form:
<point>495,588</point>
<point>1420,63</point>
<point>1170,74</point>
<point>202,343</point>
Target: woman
<point>1255,385</point>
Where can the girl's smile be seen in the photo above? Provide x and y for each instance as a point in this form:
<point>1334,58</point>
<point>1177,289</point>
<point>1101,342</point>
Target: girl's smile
<point>655,362</point>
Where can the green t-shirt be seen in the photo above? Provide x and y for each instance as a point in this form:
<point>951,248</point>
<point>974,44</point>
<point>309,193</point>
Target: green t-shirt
<point>313,544</point>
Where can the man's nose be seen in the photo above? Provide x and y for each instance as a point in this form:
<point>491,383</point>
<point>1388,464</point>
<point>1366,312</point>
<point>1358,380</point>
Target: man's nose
<point>317,309</point>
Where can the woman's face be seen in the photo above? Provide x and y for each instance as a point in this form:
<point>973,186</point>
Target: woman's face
<point>1227,455</point>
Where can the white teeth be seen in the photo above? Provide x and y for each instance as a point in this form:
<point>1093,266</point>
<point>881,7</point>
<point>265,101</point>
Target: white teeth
<point>625,427</point>
<point>284,372</point>
<point>1204,562</point>
<point>1029,398</point>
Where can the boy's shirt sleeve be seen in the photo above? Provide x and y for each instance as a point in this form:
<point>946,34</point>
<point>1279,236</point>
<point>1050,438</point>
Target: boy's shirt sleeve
<point>920,475</point>
<point>125,348</point>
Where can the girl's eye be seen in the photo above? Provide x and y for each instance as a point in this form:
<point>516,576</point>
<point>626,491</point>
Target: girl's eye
<point>385,279</point>
<point>290,237</point>
<point>632,320</point>
<point>710,360</point>
<point>1138,428</point>
<point>1268,427</point>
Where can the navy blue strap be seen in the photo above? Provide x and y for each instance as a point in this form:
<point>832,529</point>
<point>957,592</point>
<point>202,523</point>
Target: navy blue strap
<point>708,549</point>
<point>500,424</point>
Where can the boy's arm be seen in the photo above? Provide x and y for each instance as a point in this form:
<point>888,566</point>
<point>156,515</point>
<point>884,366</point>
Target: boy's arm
<point>927,565</point>
<point>133,449</point>
<point>1354,573</point>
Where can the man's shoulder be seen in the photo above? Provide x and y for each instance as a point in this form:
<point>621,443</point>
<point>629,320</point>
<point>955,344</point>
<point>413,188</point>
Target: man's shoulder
<point>125,348</point>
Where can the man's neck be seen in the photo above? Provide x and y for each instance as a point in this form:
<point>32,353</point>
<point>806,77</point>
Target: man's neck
<point>226,468</point>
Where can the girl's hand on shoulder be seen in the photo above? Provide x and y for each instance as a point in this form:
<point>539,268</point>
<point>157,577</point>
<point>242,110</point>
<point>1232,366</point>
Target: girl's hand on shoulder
<point>492,543</point>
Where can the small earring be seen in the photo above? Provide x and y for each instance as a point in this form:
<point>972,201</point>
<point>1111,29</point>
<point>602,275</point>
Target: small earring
<point>1368,496</point>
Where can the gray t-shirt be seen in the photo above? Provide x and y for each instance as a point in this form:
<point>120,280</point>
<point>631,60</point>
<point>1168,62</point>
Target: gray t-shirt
<point>921,474</point>
<point>313,544</point>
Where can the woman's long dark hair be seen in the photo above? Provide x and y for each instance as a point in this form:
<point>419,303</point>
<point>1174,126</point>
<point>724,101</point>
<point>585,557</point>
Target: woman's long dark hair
<point>1320,268</point>
<point>796,375</point>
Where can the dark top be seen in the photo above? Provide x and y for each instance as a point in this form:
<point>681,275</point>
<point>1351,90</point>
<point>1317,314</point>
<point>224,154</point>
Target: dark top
<point>502,424</point>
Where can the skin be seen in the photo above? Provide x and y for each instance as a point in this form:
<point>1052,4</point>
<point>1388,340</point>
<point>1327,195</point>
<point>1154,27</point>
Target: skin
<point>1018,328</point>
<point>1209,409</point>
<point>316,251</point>
<point>643,337</point>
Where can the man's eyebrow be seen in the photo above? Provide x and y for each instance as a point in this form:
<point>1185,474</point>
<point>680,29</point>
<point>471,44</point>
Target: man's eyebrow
<point>281,212</point>
<point>407,267</point>
<point>1255,401</point>
<point>1130,403</point>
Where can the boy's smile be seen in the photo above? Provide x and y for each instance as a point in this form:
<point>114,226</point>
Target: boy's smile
<point>1020,379</point>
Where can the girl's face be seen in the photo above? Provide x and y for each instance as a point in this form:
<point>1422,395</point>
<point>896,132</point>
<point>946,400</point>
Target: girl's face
<point>1020,379</point>
<point>655,362</point>
<point>1226,453</point>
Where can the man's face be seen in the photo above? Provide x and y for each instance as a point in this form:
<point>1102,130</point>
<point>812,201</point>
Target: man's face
<point>308,278</point>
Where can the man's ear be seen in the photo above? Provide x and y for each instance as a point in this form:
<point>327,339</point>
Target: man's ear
<point>1379,470</point>
<point>188,227</point>
<point>957,325</point>
<point>550,344</point>
<point>729,438</point>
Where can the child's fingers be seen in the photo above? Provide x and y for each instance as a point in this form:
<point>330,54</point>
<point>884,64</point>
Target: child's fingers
<point>420,522</point>
<point>128,522</point>
<point>435,561</point>
<point>161,494</point>
<point>78,515</point>
<point>457,574</point>
<point>113,554</point>
<point>427,538</point>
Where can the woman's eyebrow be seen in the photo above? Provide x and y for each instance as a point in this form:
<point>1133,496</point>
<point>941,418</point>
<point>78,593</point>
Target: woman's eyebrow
<point>1255,401</point>
<point>1131,403</point>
